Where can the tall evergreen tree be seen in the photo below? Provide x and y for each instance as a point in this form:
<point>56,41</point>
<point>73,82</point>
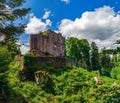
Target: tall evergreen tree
<point>85,52</point>
<point>117,42</point>
<point>10,11</point>
<point>95,64</point>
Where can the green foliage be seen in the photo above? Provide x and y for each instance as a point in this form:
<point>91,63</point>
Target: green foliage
<point>105,60</point>
<point>95,63</point>
<point>31,63</point>
<point>10,11</point>
<point>115,73</point>
<point>79,51</point>
<point>30,60</point>
<point>24,91</point>
<point>106,64</point>
<point>117,41</point>
<point>78,85</point>
<point>5,59</point>
<point>45,33</point>
<point>73,85</point>
<point>85,51</point>
<point>65,85</point>
<point>106,71</point>
<point>73,48</point>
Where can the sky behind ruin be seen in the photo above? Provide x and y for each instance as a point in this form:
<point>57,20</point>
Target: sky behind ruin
<point>95,20</point>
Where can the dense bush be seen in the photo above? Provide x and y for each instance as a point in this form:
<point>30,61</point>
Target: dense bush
<point>30,62</point>
<point>34,63</point>
<point>115,73</point>
<point>72,85</point>
<point>5,59</point>
<point>106,71</point>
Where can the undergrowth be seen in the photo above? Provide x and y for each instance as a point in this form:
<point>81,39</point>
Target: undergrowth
<point>70,85</point>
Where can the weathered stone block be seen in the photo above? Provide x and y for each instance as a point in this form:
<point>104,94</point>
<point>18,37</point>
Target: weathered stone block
<point>50,45</point>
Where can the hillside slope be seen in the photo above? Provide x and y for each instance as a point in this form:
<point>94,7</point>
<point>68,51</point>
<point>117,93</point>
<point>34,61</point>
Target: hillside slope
<point>69,85</point>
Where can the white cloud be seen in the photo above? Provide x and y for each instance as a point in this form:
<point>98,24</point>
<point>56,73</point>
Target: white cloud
<point>36,25</point>
<point>66,1</point>
<point>101,25</point>
<point>24,49</point>
<point>46,15</point>
<point>2,37</point>
<point>48,22</point>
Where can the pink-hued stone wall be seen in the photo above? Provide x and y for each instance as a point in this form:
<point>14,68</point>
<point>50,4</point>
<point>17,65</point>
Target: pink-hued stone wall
<point>50,45</point>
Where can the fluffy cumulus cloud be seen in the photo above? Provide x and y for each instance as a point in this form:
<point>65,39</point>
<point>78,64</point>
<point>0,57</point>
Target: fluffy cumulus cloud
<point>66,1</point>
<point>24,49</point>
<point>46,15</point>
<point>36,25</point>
<point>2,37</point>
<point>100,25</point>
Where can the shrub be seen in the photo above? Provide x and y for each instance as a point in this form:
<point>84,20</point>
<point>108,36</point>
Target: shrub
<point>115,73</point>
<point>105,71</point>
<point>5,59</point>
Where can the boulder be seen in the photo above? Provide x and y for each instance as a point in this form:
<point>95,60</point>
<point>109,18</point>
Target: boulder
<point>41,78</point>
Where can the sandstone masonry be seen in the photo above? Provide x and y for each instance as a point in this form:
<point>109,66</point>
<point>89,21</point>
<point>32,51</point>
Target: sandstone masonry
<point>47,44</point>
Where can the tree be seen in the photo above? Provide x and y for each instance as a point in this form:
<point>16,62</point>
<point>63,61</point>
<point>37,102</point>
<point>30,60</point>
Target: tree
<point>5,59</point>
<point>106,64</point>
<point>73,48</point>
<point>79,51</point>
<point>9,13</point>
<point>117,42</point>
<point>105,59</point>
<point>118,50</point>
<point>95,64</point>
<point>85,53</point>
<point>9,30</point>
<point>115,72</point>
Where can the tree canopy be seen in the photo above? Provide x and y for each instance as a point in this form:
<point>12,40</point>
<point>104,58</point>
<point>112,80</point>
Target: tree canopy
<point>78,49</point>
<point>10,11</point>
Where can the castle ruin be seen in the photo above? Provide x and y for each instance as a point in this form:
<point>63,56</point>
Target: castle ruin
<point>47,44</point>
<point>48,50</point>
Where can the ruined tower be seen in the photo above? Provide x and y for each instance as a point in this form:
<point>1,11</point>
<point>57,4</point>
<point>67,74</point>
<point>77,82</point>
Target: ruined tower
<point>47,44</point>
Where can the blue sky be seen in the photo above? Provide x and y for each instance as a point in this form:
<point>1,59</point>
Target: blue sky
<point>95,20</point>
<point>62,10</point>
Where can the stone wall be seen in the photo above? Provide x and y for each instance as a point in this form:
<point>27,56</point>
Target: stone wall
<point>34,63</point>
<point>50,45</point>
